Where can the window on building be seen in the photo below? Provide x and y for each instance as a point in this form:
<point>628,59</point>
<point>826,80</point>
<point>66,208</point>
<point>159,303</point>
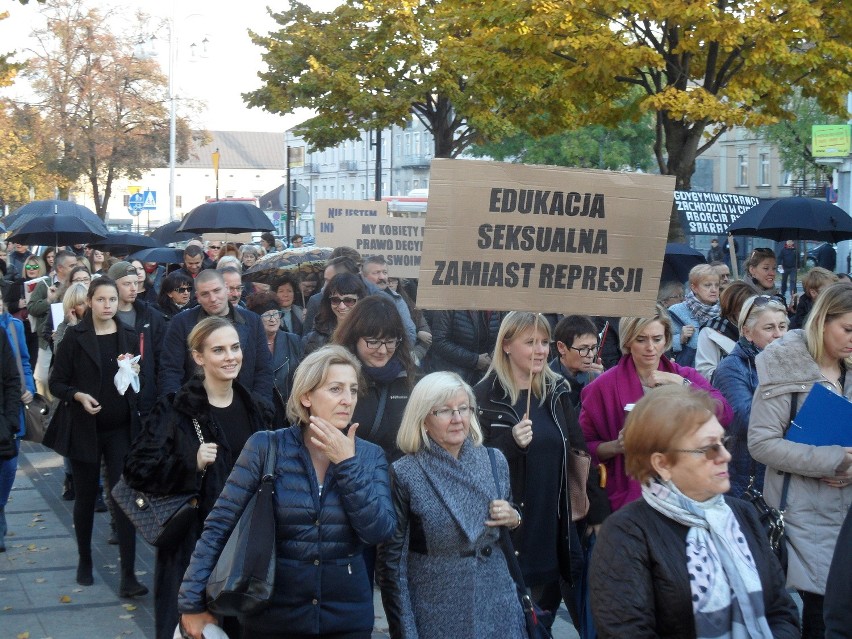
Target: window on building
<point>415,143</point>
<point>742,169</point>
<point>363,192</point>
<point>331,191</point>
<point>398,146</point>
<point>178,201</point>
<point>415,184</point>
<point>125,200</point>
<point>425,183</point>
<point>324,191</point>
<point>786,178</point>
<point>406,150</point>
<point>764,169</point>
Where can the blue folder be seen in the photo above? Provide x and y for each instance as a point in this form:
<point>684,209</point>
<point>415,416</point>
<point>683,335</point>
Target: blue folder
<point>825,419</point>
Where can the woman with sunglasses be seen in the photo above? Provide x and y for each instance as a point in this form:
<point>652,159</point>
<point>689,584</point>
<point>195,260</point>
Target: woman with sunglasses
<point>818,479</point>
<point>285,349</point>
<point>762,320</point>
<point>536,442</point>
<point>339,296</point>
<point>608,400</point>
<point>760,272</point>
<point>175,294</point>
<point>374,333</point>
<point>32,269</point>
<point>685,560</point>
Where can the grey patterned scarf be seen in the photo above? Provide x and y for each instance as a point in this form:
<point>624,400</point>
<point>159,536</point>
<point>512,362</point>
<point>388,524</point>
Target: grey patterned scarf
<point>726,590</point>
<point>700,311</point>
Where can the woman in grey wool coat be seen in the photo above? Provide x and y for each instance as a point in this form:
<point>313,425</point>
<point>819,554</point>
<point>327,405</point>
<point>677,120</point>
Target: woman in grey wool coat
<point>448,510</point>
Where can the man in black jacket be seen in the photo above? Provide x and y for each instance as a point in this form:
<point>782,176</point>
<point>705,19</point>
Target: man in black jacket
<point>788,261</point>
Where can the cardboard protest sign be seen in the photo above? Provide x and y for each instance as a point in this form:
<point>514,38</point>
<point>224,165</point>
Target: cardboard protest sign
<point>540,238</point>
<point>711,213</point>
<point>367,227</point>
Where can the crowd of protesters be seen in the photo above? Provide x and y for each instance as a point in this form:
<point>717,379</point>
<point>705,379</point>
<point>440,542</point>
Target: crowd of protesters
<point>406,439</point>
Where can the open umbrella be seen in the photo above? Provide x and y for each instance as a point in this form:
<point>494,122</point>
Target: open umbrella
<point>226,216</point>
<point>307,259</point>
<point>161,255</point>
<point>125,242</point>
<point>41,208</point>
<point>679,260</point>
<point>54,230</point>
<point>168,233</point>
<point>794,218</point>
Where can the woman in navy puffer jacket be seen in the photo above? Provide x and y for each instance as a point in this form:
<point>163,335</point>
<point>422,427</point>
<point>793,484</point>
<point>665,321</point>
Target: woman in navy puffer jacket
<point>332,500</point>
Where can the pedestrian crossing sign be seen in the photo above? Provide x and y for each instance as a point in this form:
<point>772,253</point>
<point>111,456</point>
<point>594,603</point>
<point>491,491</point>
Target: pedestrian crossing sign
<point>150,202</point>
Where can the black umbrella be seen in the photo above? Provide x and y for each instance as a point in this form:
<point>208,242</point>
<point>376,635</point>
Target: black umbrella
<point>168,233</point>
<point>161,255</point>
<point>54,230</point>
<point>125,242</point>
<point>794,218</point>
<point>226,216</point>
<point>42,208</point>
<point>679,260</point>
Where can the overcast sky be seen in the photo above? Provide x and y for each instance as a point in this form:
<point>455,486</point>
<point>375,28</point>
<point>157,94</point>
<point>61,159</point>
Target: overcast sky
<point>229,69</point>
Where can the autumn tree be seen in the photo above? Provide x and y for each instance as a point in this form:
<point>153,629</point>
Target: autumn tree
<point>105,105</point>
<point>369,65</point>
<point>702,66</point>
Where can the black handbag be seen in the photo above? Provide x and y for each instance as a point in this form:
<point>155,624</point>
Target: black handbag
<point>538,621</point>
<point>772,519</point>
<point>58,433</point>
<point>243,578</point>
<point>162,520</point>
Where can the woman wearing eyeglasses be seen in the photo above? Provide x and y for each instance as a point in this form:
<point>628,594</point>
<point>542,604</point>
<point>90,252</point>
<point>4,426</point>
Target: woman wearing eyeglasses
<point>577,343</point>
<point>684,560</point>
<point>174,294</point>
<point>536,443</point>
<point>285,348</point>
<point>339,296</point>
<point>818,478</point>
<point>762,320</point>
<point>443,573</point>
<point>760,272</point>
<point>608,400</point>
<point>374,333</point>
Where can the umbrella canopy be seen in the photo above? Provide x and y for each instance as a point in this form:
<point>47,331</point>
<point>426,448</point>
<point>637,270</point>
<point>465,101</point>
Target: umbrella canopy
<point>125,242</point>
<point>794,218</point>
<point>679,260</point>
<point>168,233</point>
<point>41,208</point>
<point>161,255</point>
<point>53,230</point>
<point>226,217</point>
<point>307,259</point>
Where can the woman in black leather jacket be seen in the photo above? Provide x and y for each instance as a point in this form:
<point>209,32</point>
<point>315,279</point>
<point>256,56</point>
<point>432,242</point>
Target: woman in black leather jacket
<point>536,445</point>
<point>168,457</point>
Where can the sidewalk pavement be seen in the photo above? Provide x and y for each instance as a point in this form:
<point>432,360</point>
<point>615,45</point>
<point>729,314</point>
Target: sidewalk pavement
<point>39,596</point>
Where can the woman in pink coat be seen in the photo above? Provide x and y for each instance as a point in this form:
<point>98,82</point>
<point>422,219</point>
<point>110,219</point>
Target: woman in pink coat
<point>607,400</point>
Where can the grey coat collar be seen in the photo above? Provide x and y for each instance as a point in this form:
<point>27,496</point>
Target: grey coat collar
<point>787,362</point>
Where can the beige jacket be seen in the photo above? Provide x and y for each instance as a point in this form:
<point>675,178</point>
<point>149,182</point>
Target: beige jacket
<point>815,511</point>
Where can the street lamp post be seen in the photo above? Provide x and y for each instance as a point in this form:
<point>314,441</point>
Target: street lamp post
<point>216,170</point>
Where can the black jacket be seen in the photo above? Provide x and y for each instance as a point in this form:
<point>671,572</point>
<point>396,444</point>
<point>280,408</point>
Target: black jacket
<point>459,338</point>
<point>10,398</point>
<point>162,459</point>
<point>838,588</point>
<point>151,326</point>
<point>77,368</point>
<point>381,429</point>
<point>640,586</point>
<point>494,409</point>
<point>286,357</point>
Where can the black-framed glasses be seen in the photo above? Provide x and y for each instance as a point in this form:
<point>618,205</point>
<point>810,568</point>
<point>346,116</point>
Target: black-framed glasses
<point>215,248</point>
<point>347,300</point>
<point>269,316</point>
<point>585,351</point>
<point>375,344</point>
<point>446,414</point>
<point>711,452</point>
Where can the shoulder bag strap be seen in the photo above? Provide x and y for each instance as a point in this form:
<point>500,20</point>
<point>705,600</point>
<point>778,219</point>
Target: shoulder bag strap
<point>271,455</point>
<point>505,539</point>
<point>782,505</point>
<point>380,412</point>
<point>198,430</point>
<point>14,334</point>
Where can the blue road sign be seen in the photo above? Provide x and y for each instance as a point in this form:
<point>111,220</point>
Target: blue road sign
<point>136,202</point>
<point>149,202</point>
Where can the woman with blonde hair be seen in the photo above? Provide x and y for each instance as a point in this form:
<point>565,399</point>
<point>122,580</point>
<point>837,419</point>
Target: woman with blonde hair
<point>443,491</point>
<point>813,283</point>
<point>526,412</point>
<point>700,306</point>
<point>609,399</point>
<point>814,481</point>
<point>685,560</point>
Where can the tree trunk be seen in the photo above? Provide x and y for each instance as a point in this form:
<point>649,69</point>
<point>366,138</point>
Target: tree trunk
<point>681,143</point>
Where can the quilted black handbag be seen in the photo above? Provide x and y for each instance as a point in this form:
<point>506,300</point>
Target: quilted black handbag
<point>772,519</point>
<point>162,520</point>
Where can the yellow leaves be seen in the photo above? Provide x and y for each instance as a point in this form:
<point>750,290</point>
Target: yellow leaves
<point>23,635</point>
<point>64,599</point>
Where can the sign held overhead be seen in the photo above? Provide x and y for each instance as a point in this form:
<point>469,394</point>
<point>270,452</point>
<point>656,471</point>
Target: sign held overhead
<point>549,239</point>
